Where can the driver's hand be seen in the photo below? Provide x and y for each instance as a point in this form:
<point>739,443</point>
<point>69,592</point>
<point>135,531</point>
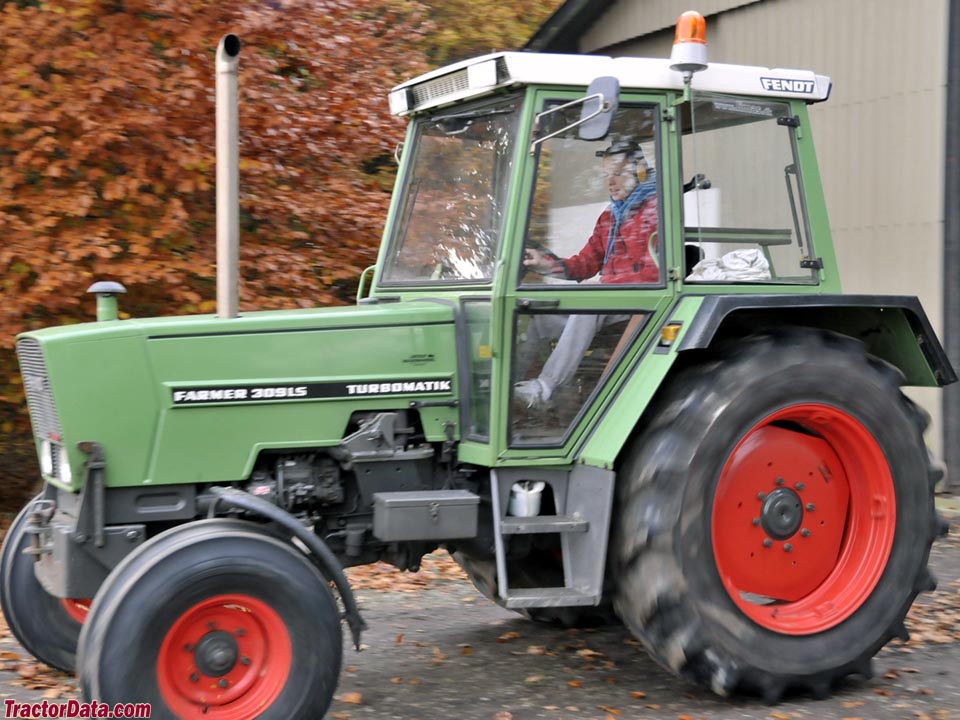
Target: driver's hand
<point>536,261</point>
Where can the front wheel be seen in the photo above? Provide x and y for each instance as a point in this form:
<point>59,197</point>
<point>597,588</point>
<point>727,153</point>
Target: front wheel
<point>776,516</point>
<point>214,620</point>
<point>47,626</point>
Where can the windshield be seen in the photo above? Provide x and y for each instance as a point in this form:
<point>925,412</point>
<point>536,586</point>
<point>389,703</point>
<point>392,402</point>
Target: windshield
<point>454,196</point>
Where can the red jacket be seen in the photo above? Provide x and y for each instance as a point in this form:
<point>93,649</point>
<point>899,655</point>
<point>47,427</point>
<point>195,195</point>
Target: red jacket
<point>631,260</point>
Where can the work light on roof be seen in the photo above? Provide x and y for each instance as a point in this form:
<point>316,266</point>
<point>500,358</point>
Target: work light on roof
<point>689,54</point>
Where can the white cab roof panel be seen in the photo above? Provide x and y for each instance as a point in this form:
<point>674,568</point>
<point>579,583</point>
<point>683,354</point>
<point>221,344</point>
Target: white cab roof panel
<point>633,74</point>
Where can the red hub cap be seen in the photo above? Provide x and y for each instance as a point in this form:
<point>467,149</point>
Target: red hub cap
<point>803,519</point>
<point>226,658</point>
<point>77,608</point>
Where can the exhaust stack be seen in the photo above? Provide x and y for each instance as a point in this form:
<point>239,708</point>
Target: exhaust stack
<point>228,177</point>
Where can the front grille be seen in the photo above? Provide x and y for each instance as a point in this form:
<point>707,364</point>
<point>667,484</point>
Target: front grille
<point>36,384</point>
<point>58,456</point>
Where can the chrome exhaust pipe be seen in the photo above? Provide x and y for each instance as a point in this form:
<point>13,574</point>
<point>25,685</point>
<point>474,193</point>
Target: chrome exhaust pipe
<point>228,178</point>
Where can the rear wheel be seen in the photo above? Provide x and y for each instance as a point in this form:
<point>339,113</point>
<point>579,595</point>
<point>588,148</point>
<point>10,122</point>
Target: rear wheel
<point>776,516</point>
<point>46,626</point>
<point>214,620</point>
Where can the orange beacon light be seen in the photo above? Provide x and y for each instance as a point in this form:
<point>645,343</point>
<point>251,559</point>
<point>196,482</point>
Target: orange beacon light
<point>689,54</point>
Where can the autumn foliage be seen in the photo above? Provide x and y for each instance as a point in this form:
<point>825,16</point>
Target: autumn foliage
<point>107,152</point>
<point>108,162</point>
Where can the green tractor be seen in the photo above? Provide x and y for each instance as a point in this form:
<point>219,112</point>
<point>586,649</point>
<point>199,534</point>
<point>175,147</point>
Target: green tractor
<point>603,359</point>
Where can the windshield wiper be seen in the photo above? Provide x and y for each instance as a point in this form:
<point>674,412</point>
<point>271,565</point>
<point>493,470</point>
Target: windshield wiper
<point>472,115</point>
<point>458,123</point>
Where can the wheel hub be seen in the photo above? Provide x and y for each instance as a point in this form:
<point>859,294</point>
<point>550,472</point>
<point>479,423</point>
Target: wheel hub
<point>225,658</point>
<point>781,514</point>
<point>800,536</point>
<point>216,653</point>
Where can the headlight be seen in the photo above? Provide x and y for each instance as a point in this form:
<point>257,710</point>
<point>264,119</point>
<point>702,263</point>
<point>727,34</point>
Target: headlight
<point>399,101</point>
<point>46,457</point>
<point>66,474</point>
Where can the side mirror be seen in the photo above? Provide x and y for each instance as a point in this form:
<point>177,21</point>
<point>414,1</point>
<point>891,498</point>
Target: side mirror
<point>603,98</point>
<point>597,109</point>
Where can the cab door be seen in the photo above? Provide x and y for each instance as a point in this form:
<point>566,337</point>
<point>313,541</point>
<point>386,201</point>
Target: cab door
<point>591,278</point>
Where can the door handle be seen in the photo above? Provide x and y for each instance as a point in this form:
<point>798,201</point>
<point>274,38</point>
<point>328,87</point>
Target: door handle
<point>531,304</point>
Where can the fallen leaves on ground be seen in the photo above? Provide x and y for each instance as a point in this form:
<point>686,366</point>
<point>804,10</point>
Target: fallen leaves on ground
<point>935,617</point>
<point>32,674</point>
<point>436,570</point>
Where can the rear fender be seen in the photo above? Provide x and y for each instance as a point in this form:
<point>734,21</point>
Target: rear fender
<point>894,328</point>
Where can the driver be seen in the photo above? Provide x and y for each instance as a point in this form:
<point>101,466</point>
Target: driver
<point>622,249</point>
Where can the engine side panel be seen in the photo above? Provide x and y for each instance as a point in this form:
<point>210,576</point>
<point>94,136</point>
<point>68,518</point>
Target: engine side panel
<point>197,401</point>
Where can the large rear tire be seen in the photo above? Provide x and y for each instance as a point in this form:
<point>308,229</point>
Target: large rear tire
<point>776,516</point>
<point>47,626</point>
<point>214,620</point>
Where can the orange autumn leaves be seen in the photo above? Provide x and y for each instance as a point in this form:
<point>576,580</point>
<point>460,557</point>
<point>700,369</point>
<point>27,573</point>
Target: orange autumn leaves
<point>107,160</point>
<point>107,144</point>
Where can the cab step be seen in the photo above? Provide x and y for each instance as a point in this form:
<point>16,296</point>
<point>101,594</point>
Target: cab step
<point>543,524</point>
<point>583,498</point>
<point>549,597</point>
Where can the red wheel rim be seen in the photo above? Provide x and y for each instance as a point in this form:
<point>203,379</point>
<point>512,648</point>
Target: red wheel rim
<point>803,519</point>
<point>77,608</point>
<point>226,658</point>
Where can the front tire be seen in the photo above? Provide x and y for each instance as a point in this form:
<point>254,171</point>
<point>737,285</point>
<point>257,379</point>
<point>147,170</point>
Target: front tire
<point>47,626</point>
<point>215,620</point>
<point>776,516</point>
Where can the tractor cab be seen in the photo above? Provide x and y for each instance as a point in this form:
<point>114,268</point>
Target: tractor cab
<point>551,194</point>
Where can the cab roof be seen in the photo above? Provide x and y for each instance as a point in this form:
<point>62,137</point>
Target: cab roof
<point>489,73</point>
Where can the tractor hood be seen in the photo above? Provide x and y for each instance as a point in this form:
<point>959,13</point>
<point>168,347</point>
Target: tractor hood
<point>221,391</point>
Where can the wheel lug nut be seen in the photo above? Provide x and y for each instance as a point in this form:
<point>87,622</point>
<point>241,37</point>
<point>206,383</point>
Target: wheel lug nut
<point>244,661</point>
<point>779,481</point>
<point>810,507</point>
<point>767,542</point>
<point>805,532</point>
<point>211,625</point>
<point>194,677</point>
<point>223,682</point>
<point>756,521</point>
<point>800,486</point>
<point>761,496</point>
<point>787,547</point>
<point>188,647</point>
<point>240,632</point>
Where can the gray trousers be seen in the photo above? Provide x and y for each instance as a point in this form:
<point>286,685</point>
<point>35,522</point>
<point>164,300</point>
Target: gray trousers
<point>574,335</point>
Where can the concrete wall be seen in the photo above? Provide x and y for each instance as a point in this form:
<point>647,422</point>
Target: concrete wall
<point>879,138</point>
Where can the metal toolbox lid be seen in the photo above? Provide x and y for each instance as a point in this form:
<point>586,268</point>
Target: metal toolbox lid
<point>417,498</point>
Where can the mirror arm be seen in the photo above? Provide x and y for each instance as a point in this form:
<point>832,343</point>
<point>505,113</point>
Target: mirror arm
<point>604,107</point>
